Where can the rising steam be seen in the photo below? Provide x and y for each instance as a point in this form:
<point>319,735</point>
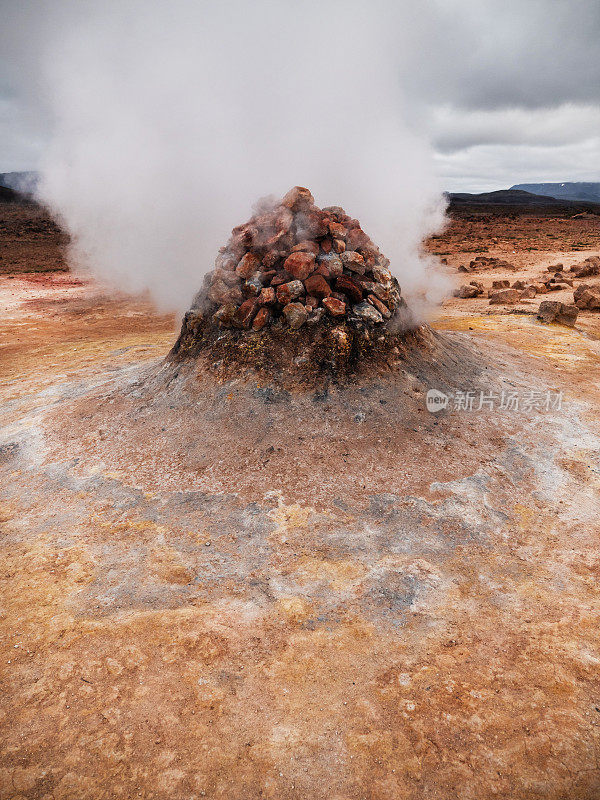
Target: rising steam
<point>171,119</point>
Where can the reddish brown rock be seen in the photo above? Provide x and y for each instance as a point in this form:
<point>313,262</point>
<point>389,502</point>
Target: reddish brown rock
<point>245,313</point>
<point>381,307</point>
<point>528,293</point>
<point>335,307</point>
<point>297,198</point>
<point>266,296</point>
<point>317,285</point>
<point>357,239</point>
<point>271,258</point>
<point>467,291</point>
<point>347,286</point>
<point>289,291</point>
<point>338,231</point>
<point>261,319</point>
<point>561,313</point>
<point>504,297</point>
<point>587,296</point>
<point>339,245</point>
<point>295,315</point>
<point>300,265</point>
<point>354,262</point>
<point>306,246</point>
<point>248,265</point>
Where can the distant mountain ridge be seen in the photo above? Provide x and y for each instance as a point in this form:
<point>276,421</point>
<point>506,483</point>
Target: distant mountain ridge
<point>23,182</point>
<point>586,192</point>
<point>516,199</point>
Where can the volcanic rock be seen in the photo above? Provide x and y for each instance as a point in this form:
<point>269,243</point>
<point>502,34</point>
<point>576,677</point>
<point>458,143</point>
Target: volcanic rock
<point>295,314</point>
<point>587,296</point>
<point>561,313</point>
<point>504,296</point>
<point>337,308</point>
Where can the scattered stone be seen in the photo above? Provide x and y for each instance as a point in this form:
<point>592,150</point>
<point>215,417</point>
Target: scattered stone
<point>561,313</point>
<point>590,266</point>
<point>467,291</point>
<point>527,293</point>
<point>555,267</point>
<point>488,262</point>
<point>587,296</point>
<point>504,297</point>
<point>501,284</point>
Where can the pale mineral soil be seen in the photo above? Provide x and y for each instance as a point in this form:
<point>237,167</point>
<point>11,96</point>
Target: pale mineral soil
<point>225,591</point>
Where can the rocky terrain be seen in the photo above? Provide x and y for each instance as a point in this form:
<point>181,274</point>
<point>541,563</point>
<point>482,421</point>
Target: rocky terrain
<point>219,586</point>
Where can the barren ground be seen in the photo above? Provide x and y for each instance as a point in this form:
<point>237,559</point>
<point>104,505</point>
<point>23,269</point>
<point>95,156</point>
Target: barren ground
<point>222,590</point>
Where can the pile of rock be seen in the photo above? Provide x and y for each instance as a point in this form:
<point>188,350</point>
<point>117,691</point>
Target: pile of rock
<point>294,264</point>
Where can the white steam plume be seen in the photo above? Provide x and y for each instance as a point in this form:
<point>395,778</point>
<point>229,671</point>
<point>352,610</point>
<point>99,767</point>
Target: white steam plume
<point>170,119</point>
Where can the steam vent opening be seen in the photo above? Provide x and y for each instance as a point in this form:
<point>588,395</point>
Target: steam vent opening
<point>298,292</point>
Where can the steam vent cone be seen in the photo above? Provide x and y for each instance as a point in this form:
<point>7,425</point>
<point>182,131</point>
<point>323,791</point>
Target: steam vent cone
<point>296,291</point>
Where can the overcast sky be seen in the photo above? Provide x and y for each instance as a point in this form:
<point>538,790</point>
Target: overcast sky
<point>507,92</point>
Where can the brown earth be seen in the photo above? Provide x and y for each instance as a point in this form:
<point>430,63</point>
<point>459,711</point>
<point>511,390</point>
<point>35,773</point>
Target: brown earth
<point>30,240</point>
<point>221,588</point>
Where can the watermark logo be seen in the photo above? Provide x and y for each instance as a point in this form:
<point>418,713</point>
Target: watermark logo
<point>436,401</point>
<point>479,400</point>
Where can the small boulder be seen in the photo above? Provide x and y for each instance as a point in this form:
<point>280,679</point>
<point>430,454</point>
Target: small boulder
<point>587,296</point>
<point>245,313</point>
<point>528,293</point>
<point>561,313</point>
<point>467,291</point>
<point>504,297</point>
